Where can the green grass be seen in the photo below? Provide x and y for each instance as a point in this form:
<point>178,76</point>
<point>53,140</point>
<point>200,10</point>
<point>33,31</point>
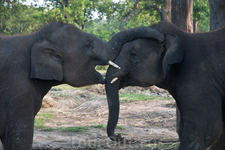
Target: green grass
<point>101,126</point>
<point>40,120</point>
<point>140,97</point>
<point>64,95</point>
<point>62,87</point>
<point>164,146</point>
<point>42,117</point>
<point>45,128</point>
<point>56,89</point>
<point>38,123</point>
<point>120,127</point>
<point>46,115</point>
<point>80,129</point>
<point>74,129</point>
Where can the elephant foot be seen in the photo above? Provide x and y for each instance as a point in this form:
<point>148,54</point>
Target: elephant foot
<point>117,138</point>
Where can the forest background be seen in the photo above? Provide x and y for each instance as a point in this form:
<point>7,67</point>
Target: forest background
<point>103,18</point>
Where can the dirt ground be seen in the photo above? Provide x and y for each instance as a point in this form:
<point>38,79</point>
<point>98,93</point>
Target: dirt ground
<point>144,122</point>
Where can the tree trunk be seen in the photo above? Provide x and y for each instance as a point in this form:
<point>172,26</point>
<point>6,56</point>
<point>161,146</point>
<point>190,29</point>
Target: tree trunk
<point>8,2</point>
<point>83,26</point>
<point>166,11</point>
<point>182,11</point>
<point>195,25</point>
<point>217,14</point>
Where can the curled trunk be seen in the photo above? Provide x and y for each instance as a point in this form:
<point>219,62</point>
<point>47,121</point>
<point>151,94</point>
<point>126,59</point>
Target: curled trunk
<point>119,39</point>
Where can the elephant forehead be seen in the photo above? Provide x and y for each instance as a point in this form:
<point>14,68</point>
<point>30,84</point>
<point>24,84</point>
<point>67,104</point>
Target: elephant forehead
<point>144,43</point>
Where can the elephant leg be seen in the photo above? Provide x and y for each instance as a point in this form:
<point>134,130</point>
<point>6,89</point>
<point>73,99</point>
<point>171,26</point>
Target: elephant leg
<point>199,136</point>
<point>201,121</point>
<point>220,144</point>
<point>18,135</point>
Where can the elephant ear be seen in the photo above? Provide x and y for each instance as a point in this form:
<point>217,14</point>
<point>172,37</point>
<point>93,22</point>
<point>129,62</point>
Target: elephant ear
<point>174,52</point>
<point>46,62</point>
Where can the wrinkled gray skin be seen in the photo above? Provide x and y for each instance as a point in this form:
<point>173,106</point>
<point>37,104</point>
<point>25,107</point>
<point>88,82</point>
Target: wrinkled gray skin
<point>191,67</point>
<point>30,65</point>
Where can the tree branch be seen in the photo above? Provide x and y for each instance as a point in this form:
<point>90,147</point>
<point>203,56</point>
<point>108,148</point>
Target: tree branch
<point>155,8</point>
<point>146,8</point>
<point>126,17</point>
<point>57,1</point>
<point>136,14</point>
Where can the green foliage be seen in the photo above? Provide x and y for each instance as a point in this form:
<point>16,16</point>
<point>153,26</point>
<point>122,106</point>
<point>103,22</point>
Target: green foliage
<point>147,17</point>
<point>201,14</point>
<point>103,29</point>
<point>18,18</point>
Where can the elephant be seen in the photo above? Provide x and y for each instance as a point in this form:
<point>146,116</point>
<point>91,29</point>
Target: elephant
<point>56,54</point>
<point>191,66</point>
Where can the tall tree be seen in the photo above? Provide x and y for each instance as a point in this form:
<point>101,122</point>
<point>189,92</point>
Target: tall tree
<point>217,13</point>
<point>201,15</point>
<point>166,10</point>
<point>182,11</point>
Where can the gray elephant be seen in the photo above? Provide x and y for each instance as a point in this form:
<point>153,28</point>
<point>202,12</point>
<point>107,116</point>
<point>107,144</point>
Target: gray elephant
<point>191,67</point>
<point>30,65</point>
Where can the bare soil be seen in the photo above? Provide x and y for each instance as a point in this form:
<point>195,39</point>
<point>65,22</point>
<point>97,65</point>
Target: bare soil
<point>145,122</point>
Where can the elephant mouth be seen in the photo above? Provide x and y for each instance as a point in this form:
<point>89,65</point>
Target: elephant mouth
<point>102,76</point>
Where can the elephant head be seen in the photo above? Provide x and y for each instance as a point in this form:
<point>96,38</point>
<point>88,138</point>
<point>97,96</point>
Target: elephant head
<point>69,55</point>
<point>143,62</point>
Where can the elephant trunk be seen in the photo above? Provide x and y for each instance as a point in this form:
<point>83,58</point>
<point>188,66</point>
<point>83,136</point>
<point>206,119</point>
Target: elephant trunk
<point>113,105</point>
<point>119,39</point>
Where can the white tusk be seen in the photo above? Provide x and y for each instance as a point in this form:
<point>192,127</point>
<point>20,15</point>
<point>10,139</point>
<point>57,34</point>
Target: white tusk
<point>113,64</point>
<point>114,80</point>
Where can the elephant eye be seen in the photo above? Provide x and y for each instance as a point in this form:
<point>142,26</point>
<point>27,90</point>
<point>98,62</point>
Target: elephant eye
<point>88,45</point>
<point>133,54</point>
<point>57,56</point>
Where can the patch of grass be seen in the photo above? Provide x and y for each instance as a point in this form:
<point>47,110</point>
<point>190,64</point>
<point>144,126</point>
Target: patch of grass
<point>63,87</point>
<point>46,115</point>
<point>64,95</point>
<point>120,127</point>
<point>140,97</point>
<point>164,146</point>
<point>122,133</point>
<point>74,129</point>
<point>56,89</point>
<point>40,120</point>
<point>38,123</point>
<point>45,128</point>
<point>100,126</point>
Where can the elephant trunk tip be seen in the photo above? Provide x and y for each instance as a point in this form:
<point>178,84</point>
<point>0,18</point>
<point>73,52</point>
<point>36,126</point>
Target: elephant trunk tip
<point>117,138</point>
